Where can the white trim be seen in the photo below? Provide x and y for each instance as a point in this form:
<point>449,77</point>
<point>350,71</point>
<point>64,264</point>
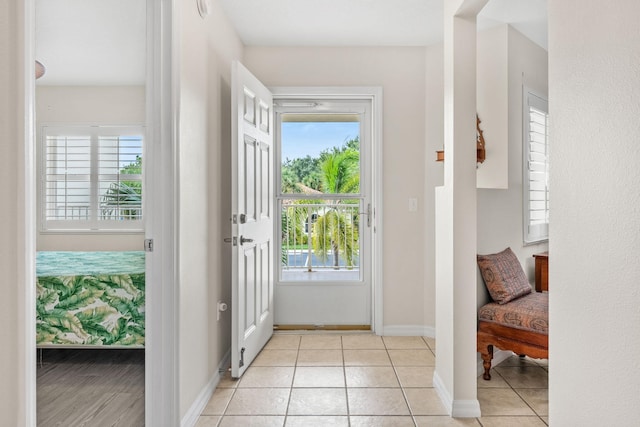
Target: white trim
<point>455,408</point>
<point>465,409</point>
<point>25,99</point>
<point>409,331</point>
<point>190,419</point>
<point>442,392</point>
<point>161,335</point>
<point>374,94</point>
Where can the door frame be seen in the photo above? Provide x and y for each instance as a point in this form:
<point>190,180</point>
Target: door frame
<point>161,335</point>
<point>374,95</point>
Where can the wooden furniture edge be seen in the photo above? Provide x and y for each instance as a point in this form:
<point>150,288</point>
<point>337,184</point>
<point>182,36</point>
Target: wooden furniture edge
<point>521,342</point>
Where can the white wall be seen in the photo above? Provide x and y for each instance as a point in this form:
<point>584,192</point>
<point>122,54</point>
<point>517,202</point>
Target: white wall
<point>506,60</point>
<point>400,72</point>
<point>492,102</point>
<point>500,213</point>
<point>207,48</point>
<point>84,105</point>
<point>594,341</point>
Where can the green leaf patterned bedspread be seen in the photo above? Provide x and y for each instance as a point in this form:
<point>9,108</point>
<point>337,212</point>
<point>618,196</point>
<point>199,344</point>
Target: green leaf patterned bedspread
<point>90,299</point>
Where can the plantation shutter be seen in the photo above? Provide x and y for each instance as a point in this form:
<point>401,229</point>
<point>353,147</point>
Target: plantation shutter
<point>120,187</point>
<point>92,178</point>
<point>67,177</point>
<point>536,169</point>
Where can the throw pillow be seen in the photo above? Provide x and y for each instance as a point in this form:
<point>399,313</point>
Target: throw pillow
<point>503,276</point>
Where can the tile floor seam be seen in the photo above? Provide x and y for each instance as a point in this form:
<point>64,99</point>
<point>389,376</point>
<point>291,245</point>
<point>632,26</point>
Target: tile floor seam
<point>527,403</point>
<point>293,378</point>
<point>504,385</point>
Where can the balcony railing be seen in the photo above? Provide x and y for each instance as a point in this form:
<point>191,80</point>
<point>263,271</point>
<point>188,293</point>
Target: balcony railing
<point>320,236</point>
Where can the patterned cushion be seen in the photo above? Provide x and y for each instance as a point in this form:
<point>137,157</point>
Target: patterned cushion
<point>531,313</point>
<point>503,276</point>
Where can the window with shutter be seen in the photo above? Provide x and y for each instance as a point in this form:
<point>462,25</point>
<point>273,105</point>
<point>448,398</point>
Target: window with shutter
<point>92,178</point>
<point>536,168</point>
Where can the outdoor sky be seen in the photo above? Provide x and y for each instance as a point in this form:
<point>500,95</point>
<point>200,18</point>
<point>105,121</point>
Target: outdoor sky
<point>300,139</point>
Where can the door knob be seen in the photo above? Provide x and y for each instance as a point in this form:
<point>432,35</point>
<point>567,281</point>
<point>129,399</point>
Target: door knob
<point>243,240</point>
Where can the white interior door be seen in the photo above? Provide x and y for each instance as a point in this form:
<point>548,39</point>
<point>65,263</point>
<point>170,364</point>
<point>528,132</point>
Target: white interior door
<point>252,218</point>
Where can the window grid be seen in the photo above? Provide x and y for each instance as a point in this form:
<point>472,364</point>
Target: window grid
<point>92,178</point>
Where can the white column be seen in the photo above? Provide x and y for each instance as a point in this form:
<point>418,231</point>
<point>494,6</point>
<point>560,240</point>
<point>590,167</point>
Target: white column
<point>456,358</point>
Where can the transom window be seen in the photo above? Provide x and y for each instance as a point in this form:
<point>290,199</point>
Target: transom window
<point>91,178</point>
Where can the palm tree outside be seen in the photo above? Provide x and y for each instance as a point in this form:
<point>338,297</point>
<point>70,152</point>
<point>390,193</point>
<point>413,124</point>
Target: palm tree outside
<point>316,231</point>
<point>335,231</point>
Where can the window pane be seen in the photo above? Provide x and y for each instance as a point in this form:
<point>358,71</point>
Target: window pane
<point>320,235</point>
<point>120,178</point>
<point>320,154</point>
<point>92,174</point>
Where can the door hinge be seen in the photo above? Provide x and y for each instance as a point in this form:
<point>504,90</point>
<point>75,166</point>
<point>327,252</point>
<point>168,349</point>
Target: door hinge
<point>241,364</point>
<point>148,245</point>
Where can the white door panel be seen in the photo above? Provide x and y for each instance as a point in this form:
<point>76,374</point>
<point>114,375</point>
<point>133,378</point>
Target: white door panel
<point>252,200</point>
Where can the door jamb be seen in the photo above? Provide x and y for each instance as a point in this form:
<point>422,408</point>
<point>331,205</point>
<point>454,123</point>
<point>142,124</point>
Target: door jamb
<point>374,94</point>
<point>161,336</point>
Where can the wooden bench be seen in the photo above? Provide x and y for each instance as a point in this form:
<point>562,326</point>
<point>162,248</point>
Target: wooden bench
<point>517,320</point>
<point>520,326</point>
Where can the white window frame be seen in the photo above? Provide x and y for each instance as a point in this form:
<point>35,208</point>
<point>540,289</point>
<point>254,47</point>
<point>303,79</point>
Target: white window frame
<point>92,224</point>
<point>534,231</point>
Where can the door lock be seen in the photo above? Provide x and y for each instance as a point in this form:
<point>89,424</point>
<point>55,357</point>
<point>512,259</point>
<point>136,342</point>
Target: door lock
<point>368,214</point>
<point>243,240</point>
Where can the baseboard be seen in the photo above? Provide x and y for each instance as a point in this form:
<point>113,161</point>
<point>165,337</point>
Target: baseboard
<point>191,417</point>
<point>455,408</point>
<point>442,392</point>
<point>465,409</point>
<point>409,331</point>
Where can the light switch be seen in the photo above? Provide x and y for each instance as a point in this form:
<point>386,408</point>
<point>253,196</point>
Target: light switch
<point>413,204</point>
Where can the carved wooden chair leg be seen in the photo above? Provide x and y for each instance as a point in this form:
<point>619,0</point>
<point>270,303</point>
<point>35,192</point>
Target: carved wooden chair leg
<point>486,358</point>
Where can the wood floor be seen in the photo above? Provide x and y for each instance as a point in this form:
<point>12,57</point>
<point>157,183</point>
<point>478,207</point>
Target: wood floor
<point>91,388</point>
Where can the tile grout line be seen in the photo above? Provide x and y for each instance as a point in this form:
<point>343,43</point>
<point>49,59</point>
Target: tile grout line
<point>346,386</point>
<point>404,394</point>
<point>293,378</point>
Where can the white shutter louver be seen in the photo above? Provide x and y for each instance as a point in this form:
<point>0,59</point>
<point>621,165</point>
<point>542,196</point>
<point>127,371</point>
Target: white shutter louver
<point>92,178</point>
<point>536,168</point>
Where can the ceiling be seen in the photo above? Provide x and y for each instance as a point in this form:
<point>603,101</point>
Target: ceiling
<point>369,22</point>
<point>102,42</point>
<point>91,42</point>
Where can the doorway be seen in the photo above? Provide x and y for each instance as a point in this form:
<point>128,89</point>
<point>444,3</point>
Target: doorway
<point>326,199</point>
<point>90,263</point>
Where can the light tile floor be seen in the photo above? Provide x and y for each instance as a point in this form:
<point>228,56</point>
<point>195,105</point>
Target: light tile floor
<point>360,380</point>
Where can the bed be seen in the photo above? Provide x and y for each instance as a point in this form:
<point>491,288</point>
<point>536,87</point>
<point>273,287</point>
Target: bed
<point>94,299</point>
<point>517,319</point>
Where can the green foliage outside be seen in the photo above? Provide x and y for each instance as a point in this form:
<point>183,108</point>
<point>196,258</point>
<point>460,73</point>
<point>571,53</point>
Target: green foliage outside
<point>327,173</point>
<point>333,232</point>
<point>124,198</point>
